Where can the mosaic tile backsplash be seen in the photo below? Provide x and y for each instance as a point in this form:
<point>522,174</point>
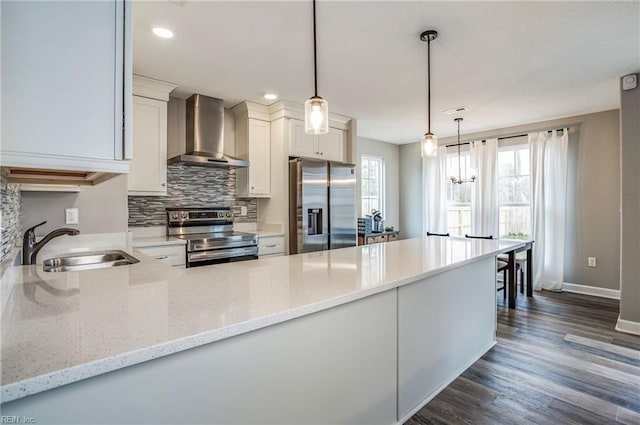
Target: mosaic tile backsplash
<point>10,194</point>
<point>191,186</point>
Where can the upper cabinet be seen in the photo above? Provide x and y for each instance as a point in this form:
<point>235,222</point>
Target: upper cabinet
<point>148,175</point>
<point>253,142</point>
<point>66,81</point>
<point>330,146</point>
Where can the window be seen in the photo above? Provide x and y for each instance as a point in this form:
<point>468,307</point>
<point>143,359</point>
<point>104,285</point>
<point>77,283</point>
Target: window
<point>513,192</point>
<point>459,195</point>
<point>372,193</point>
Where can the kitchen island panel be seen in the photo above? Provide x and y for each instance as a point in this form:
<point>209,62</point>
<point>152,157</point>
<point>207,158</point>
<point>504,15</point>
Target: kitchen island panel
<point>444,325</point>
<point>336,366</point>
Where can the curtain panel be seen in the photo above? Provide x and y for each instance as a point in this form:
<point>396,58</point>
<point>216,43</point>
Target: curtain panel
<point>484,191</point>
<point>548,161</point>
<point>434,177</point>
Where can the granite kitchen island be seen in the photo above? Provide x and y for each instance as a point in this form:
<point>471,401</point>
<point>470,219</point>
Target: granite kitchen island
<point>365,334</point>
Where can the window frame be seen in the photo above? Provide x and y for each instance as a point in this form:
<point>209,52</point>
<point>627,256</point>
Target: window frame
<point>381,183</point>
<point>457,206</point>
<point>514,148</point>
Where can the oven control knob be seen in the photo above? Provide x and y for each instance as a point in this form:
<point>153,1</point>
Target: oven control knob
<point>228,213</point>
<point>185,215</point>
<point>174,216</point>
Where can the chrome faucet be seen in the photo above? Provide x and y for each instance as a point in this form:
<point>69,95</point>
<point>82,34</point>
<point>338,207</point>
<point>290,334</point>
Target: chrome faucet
<point>30,248</point>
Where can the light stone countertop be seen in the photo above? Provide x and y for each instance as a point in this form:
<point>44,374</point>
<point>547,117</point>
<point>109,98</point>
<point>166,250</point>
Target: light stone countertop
<point>60,328</point>
<point>156,241</point>
<point>268,234</point>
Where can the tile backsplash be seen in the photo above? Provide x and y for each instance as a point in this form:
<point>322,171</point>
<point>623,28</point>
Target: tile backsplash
<point>191,186</point>
<point>10,223</point>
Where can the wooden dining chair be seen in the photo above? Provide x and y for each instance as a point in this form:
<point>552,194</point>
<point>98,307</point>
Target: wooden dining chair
<point>501,265</point>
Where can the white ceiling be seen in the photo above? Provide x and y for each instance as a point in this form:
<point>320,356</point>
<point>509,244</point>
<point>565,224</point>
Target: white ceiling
<point>510,63</point>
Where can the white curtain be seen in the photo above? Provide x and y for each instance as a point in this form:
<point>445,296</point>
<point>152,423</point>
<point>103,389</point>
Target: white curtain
<point>548,158</point>
<point>484,191</point>
<point>434,177</point>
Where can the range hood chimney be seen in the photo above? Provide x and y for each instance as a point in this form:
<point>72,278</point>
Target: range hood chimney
<point>205,135</point>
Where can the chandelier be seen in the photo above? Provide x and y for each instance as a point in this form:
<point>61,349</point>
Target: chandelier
<point>459,179</point>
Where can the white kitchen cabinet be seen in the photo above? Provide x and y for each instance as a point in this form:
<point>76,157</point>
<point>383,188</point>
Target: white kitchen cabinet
<point>270,246</point>
<point>66,81</point>
<point>172,255</point>
<point>330,146</point>
<point>148,175</point>
<point>253,143</point>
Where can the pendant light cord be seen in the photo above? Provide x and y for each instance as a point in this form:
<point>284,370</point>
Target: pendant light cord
<point>428,85</point>
<point>459,168</point>
<point>315,54</point>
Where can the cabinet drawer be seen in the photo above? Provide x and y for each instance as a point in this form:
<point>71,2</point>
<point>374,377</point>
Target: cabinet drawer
<point>270,245</point>
<point>173,255</point>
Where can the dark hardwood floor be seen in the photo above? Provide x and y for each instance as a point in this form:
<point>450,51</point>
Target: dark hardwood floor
<point>558,361</point>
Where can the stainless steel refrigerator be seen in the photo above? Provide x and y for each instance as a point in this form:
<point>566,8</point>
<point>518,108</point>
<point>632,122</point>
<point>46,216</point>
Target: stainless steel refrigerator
<point>322,205</point>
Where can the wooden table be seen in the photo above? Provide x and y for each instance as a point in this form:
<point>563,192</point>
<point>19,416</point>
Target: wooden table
<point>512,287</point>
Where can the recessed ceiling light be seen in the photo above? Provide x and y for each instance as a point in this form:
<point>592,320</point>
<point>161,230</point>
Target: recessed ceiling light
<point>270,96</point>
<point>455,110</point>
<point>162,32</point>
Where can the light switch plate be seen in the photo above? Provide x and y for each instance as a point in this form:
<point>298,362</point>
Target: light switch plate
<point>71,216</point>
<point>591,261</point>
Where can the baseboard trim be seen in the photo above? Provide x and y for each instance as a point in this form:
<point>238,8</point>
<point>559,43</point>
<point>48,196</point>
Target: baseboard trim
<point>591,290</point>
<point>627,326</point>
<point>445,384</point>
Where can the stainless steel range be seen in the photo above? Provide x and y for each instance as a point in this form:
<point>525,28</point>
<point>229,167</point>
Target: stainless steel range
<point>210,236</point>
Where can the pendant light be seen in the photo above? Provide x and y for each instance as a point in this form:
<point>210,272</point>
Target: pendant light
<point>459,179</point>
<point>316,109</point>
<point>429,142</point>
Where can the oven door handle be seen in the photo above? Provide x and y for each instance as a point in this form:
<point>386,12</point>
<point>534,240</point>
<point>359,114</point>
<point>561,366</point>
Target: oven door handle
<point>222,253</point>
<point>199,246</point>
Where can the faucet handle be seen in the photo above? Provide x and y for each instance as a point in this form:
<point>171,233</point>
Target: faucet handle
<point>31,229</point>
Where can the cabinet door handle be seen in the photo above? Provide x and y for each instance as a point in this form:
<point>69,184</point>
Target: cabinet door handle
<point>271,246</point>
<point>164,257</point>
<point>321,153</point>
<point>163,184</point>
<point>252,187</point>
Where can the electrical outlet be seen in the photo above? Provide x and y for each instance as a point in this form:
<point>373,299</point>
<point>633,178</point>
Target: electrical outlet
<point>591,261</point>
<point>243,211</point>
<point>71,216</point>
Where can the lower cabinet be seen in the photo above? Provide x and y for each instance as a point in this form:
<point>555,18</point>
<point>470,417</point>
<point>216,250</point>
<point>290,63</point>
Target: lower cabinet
<point>172,255</point>
<point>270,246</point>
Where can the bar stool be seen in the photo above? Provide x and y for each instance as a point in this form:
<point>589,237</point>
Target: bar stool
<point>501,265</point>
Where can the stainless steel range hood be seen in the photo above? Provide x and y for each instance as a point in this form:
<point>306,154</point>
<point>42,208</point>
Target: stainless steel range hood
<point>205,135</point>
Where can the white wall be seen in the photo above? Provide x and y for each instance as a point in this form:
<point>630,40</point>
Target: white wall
<point>101,208</point>
<point>391,155</point>
<point>410,191</point>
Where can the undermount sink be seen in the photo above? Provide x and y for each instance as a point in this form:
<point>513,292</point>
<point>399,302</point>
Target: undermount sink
<point>88,260</point>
